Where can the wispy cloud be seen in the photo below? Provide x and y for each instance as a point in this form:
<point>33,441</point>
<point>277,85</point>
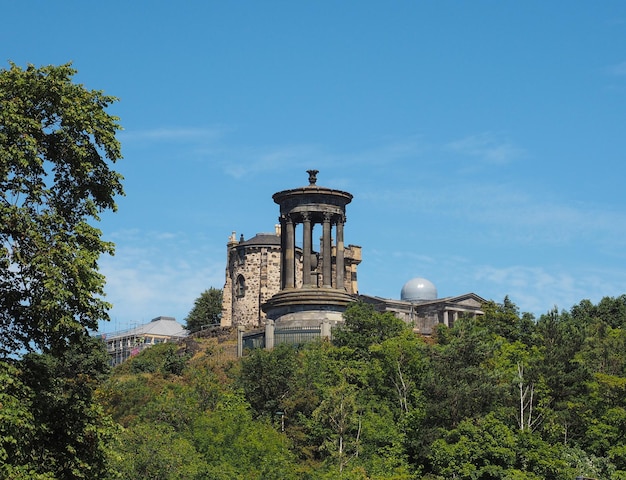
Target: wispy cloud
<point>535,288</point>
<point>530,217</point>
<point>618,70</point>
<point>239,162</point>
<point>539,289</point>
<point>174,134</point>
<point>145,279</point>
<point>486,147</point>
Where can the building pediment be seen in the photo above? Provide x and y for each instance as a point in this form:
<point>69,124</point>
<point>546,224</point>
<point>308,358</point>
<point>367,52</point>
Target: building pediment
<point>467,300</point>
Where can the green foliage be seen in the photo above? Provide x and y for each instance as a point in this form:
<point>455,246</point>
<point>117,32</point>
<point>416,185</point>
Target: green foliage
<point>56,146</point>
<point>54,428</point>
<point>482,448</point>
<point>504,320</point>
<point>396,367</point>
<point>193,425</point>
<point>157,452</point>
<point>125,397</point>
<point>477,401</point>
<point>363,326</point>
<point>207,310</point>
<point>605,418</point>
<point>237,447</point>
<point>164,358</point>
<point>16,423</point>
<point>266,376</point>
<point>459,383</point>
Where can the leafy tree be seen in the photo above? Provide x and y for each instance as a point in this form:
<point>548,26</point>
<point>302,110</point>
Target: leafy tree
<point>70,432</point>
<point>487,448</point>
<point>609,311</point>
<point>527,399</point>
<point>207,310</point>
<point>266,377</point>
<point>165,358</point>
<point>125,398</point>
<point>461,382</point>
<point>483,448</point>
<point>605,417</point>
<point>56,146</point>
<point>17,425</point>
<point>504,319</point>
<point>603,349</point>
<point>157,452</point>
<point>397,365</point>
<point>340,415</point>
<point>562,336</point>
<point>237,447</point>
<point>363,326</point>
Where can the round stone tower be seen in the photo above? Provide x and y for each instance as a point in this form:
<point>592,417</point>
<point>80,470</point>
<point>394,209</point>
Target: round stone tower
<point>321,293</point>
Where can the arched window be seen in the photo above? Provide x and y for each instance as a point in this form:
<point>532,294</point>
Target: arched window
<point>241,286</point>
<point>241,255</point>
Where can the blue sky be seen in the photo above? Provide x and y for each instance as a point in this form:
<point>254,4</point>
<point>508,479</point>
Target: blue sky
<point>483,141</point>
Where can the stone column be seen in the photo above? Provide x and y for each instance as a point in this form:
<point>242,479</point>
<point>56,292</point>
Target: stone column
<point>290,253</point>
<point>327,252</point>
<point>306,246</point>
<point>283,249</point>
<point>240,330</point>
<point>269,334</point>
<point>325,331</point>
<point>340,254</point>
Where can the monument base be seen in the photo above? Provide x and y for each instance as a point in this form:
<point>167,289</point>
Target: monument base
<point>307,307</point>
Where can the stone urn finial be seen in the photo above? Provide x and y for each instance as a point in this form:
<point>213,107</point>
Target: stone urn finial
<point>312,176</point>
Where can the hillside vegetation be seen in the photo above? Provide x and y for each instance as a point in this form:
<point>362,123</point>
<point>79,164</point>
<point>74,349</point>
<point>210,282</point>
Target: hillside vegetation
<point>503,396</point>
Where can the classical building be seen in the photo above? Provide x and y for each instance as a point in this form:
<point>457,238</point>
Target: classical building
<point>420,307</point>
<point>278,284</point>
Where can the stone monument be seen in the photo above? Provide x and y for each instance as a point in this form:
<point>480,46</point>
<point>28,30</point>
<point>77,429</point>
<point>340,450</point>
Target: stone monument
<point>323,291</point>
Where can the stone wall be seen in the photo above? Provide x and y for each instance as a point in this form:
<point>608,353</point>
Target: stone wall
<point>258,267</point>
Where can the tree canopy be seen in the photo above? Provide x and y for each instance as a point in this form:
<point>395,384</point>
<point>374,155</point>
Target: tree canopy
<point>207,310</point>
<point>57,145</point>
<point>501,396</point>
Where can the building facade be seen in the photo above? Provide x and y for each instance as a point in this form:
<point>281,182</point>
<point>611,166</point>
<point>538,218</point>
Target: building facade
<point>127,343</point>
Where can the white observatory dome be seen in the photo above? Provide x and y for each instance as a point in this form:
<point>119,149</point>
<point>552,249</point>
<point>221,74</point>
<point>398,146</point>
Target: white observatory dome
<point>418,289</point>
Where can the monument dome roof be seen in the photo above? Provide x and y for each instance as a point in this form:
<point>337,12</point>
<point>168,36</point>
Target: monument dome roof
<point>418,289</point>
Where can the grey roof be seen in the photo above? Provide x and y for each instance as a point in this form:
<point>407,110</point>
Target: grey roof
<point>262,239</point>
<point>161,326</point>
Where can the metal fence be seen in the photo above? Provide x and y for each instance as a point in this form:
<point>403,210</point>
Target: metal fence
<point>253,340</point>
<point>296,335</point>
<point>270,337</point>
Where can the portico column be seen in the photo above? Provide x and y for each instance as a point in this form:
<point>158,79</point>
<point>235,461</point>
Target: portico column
<point>327,252</point>
<point>290,247</point>
<point>306,246</point>
<point>283,249</point>
<point>340,253</point>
